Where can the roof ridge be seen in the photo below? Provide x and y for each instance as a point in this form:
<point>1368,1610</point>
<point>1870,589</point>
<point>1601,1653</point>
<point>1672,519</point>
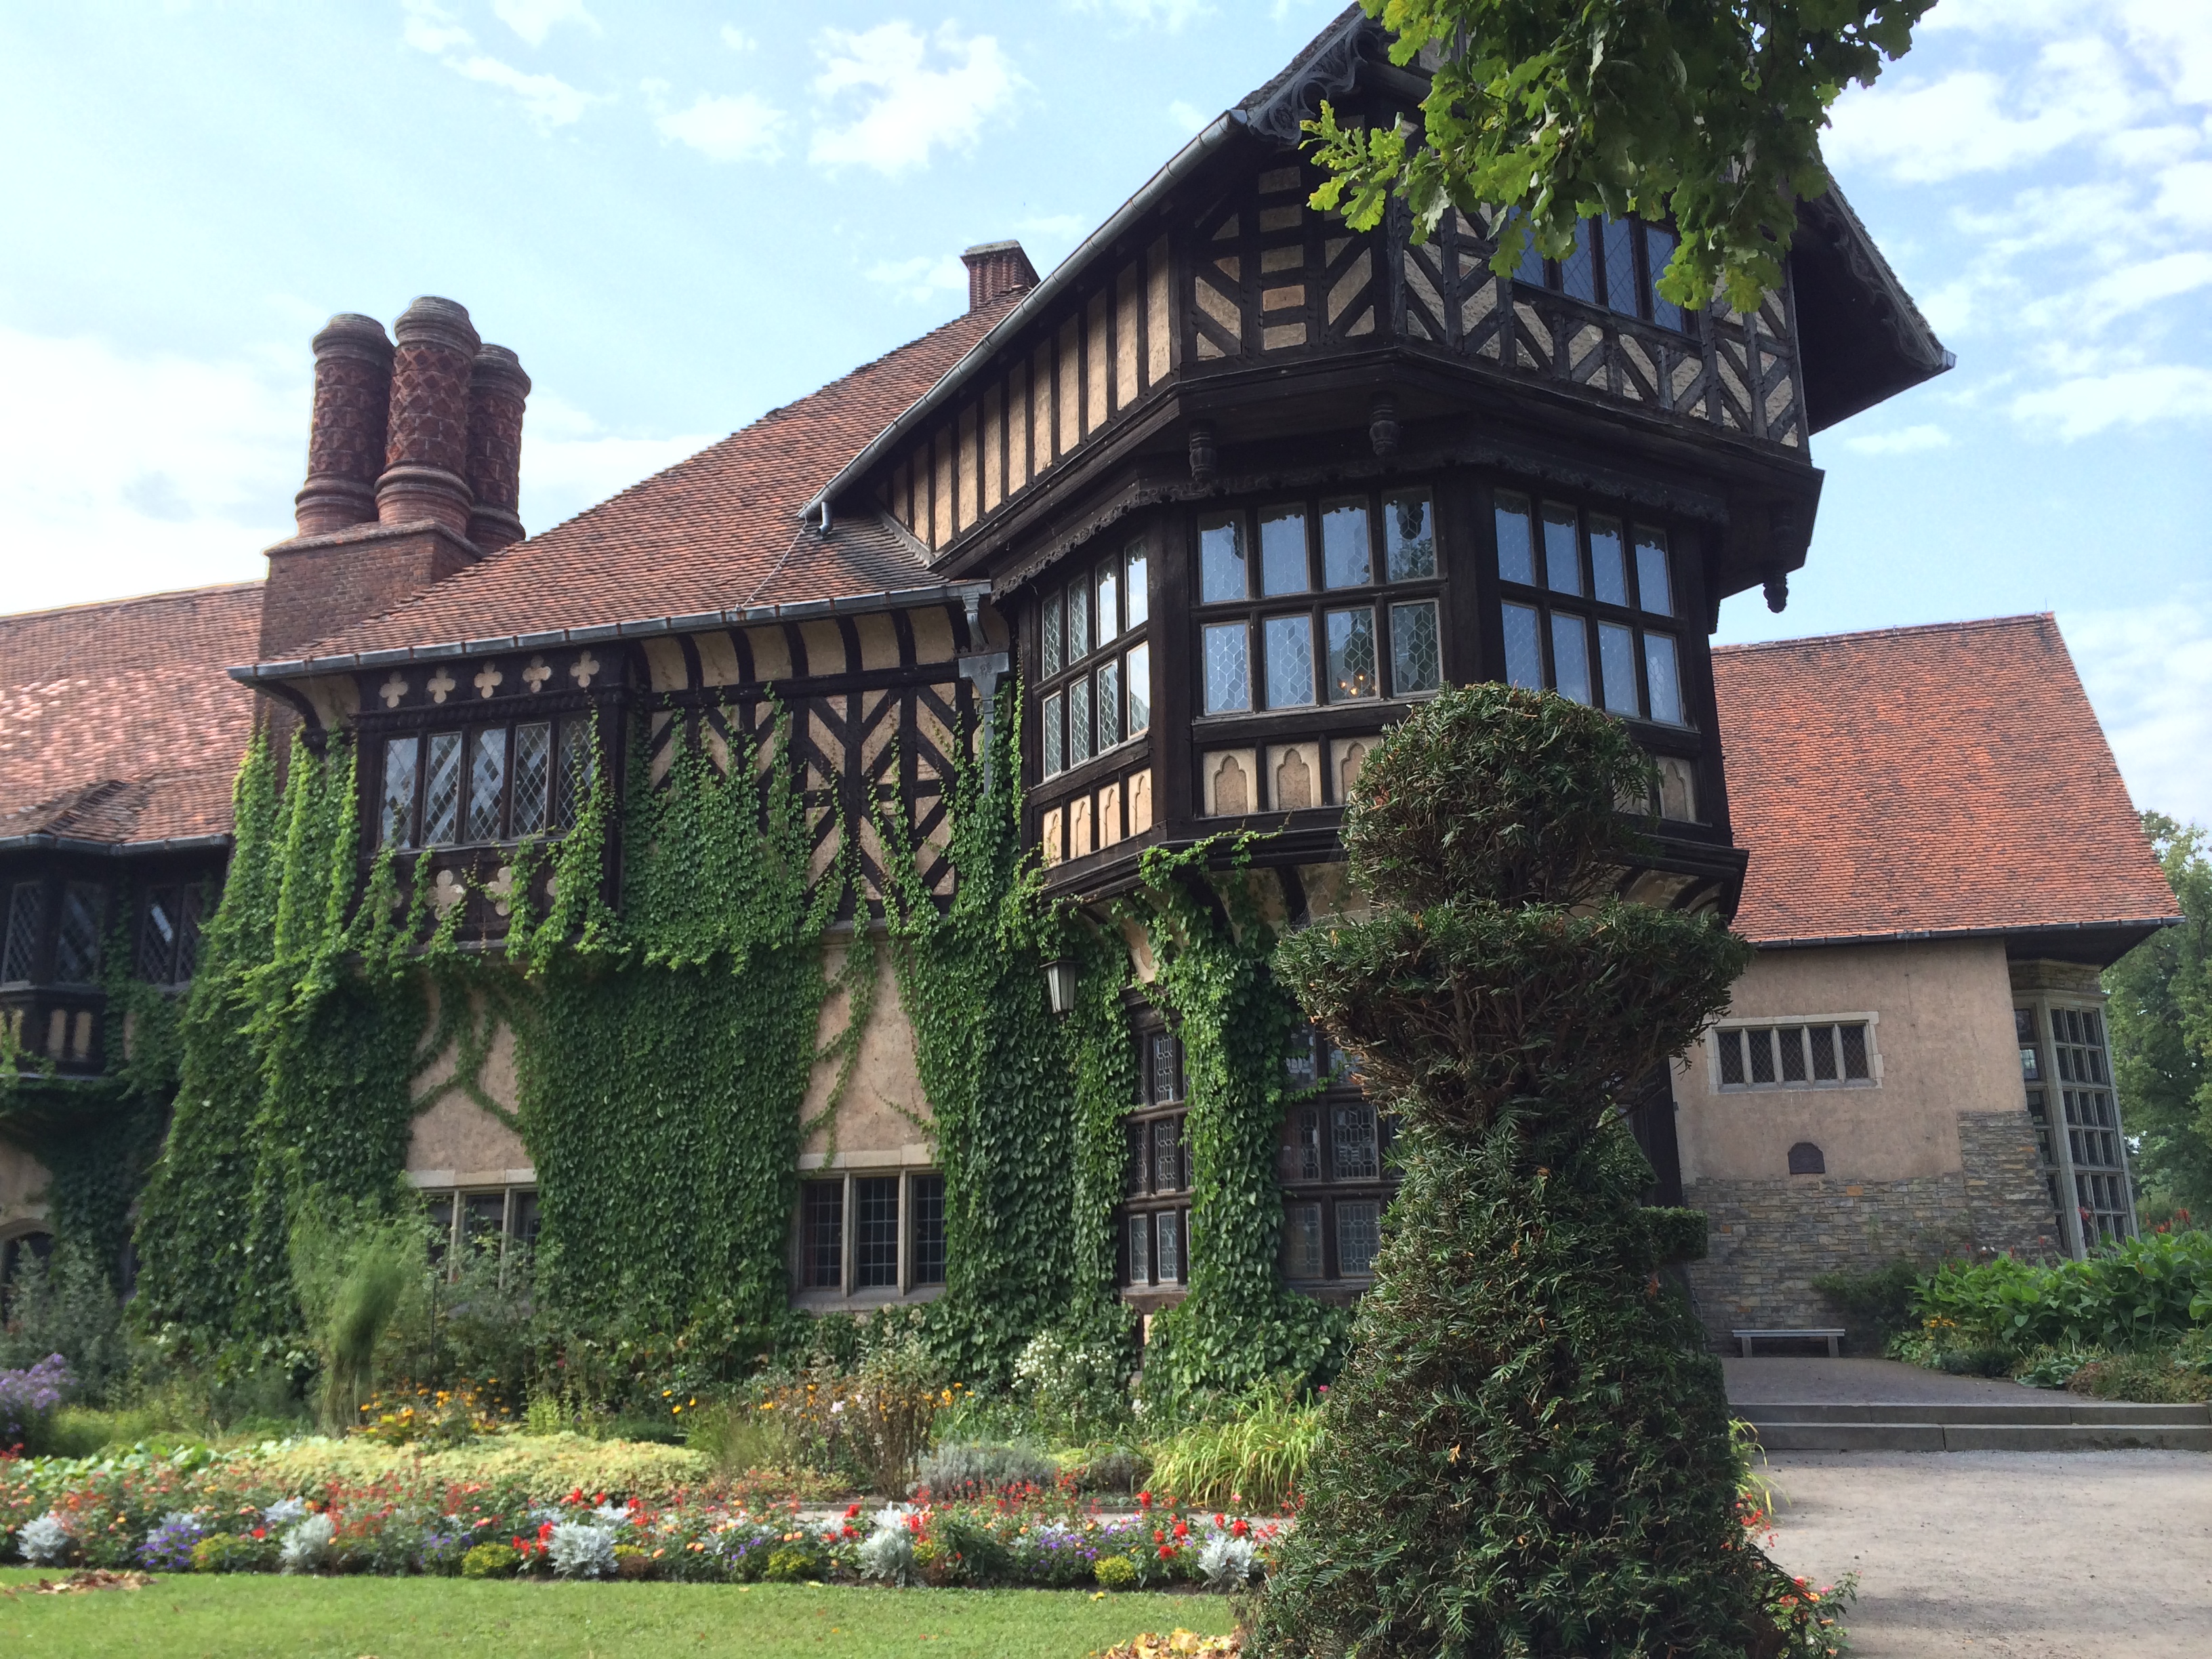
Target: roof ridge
<point>129,598</point>
<point>1969,624</point>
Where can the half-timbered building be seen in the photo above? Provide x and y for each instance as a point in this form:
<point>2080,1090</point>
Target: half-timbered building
<point>1228,491</point>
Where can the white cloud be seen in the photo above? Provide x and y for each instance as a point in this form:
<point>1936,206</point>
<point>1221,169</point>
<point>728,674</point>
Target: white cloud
<point>1905,440</point>
<point>2078,90</point>
<point>570,462</point>
<point>898,107</point>
<point>1169,14</point>
<point>737,40</point>
<point>922,277</point>
<point>1186,117</point>
<point>2149,673</point>
<point>129,474</point>
<point>2129,396</point>
<point>744,128</point>
<point>533,20</point>
<point>2185,195</point>
<point>548,101</point>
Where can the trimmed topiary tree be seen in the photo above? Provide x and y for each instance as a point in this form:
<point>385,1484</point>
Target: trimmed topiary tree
<point>1529,1453</point>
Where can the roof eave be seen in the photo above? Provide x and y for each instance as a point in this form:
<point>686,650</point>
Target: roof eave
<point>2052,930</point>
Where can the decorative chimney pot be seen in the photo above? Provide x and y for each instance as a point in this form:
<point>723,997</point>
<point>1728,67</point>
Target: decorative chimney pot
<point>996,268</point>
<point>345,442</point>
<point>497,390</point>
<point>427,441</point>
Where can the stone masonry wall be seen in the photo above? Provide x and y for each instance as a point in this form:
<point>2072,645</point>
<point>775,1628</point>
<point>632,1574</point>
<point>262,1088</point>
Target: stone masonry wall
<point>1766,1241</point>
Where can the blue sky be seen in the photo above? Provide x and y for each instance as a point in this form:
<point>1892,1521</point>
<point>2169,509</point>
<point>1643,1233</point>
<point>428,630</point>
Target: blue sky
<point>683,214</point>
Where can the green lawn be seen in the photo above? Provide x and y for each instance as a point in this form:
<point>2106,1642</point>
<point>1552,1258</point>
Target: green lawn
<point>250,1615</point>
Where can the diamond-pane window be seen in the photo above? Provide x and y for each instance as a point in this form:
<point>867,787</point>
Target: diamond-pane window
<point>26,916</point>
<point>1579,270</point>
<point>1079,721</point>
<point>1228,668</point>
<point>1660,668</point>
<point>1409,536</point>
<point>1563,562</point>
<point>1621,288</point>
<point>487,782</point>
<point>1140,1250</point>
<point>441,793</point>
<point>157,936</point>
<point>1055,636</point>
<point>1054,734</point>
<point>1516,546</point>
<point>1170,1247</point>
<point>1346,560</point>
<point>1079,624</point>
<point>1290,661</point>
<point>1352,655</point>
<point>1110,703</point>
<point>76,940</point>
<point>1416,660</point>
<point>574,768</point>
<point>1608,561</point>
<point>1109,601</point>
<point>395,820</point>
<point>533,777</point>
<point>1571,668</point>
<point>188,935</point>
<point>1140,687</point>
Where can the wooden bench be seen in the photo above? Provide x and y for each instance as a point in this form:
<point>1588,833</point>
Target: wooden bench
<point>1832,1338</point>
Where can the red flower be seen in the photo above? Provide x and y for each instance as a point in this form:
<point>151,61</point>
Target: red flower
<point>1159,1537</point>
<point>261,1531</point>
<point>1182,1531</point>
<point>577,1496</point>
<point>544,1531</point>
<point>851,1509</point>
<point>599,1498</point>
<point>1144,1500</point>
<point>1239,1527</point>
<point>1220,1520</point>
<point>1166,1553</point>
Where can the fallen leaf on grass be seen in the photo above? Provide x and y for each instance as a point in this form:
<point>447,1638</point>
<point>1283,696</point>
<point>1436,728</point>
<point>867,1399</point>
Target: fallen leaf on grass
<point>92,1578</point>
<point>1182,1645</point>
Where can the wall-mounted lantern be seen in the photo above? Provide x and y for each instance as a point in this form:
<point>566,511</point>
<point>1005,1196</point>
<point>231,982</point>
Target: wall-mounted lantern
<point>1060,984</point>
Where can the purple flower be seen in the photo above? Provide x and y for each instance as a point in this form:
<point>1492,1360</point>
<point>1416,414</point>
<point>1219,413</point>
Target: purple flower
<point>169,1546</point>
<point>28,1395</point>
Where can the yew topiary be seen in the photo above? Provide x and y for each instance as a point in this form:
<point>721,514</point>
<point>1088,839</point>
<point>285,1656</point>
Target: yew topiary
<point>1528,1452</point>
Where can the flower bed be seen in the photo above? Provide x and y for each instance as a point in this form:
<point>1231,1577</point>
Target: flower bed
<point>343,1507</point>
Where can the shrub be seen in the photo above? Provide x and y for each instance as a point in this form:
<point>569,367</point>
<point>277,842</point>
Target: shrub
<point>67,1306</point>
<point>1529,1451</point>
<point>228,1552</point>
<point>1075,1382</point>
<point>352,1271</point>
<point>307,1545</point>
<point>887,1416</point>
<point>973,1470</point>
<point>2155,1379</point>
<point>1879,1300</point>
<point>1115,1572</point>
<point>1109,1467</point>
<point>2142,1293</point>
<point>491,1561</point>
<point>887,1553</point>
<point>1254,1459</point>
<point>581,1550</point>
<point>44,1542</point>
<point>787,1565</point>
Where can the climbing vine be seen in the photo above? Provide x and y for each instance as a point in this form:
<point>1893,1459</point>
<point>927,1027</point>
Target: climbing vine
<point>662,1072</point>
<point>1240,1323</point>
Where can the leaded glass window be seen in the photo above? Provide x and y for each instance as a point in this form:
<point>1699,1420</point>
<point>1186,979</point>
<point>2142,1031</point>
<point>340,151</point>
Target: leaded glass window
<point>1347,558</point>
<point>1140,688</point>
<point>1586,579</point>
<point>1359,1237</point>
<point>534,778</point>
<point>1815,1053</point>
<point>1053,731</point>
<point>1170,1247</point>
<point>1290,661</point>
<point>1351,670</point>
<point>487,782</point>
<point>441,791</point>
<point>1409,535</point>
<point>1301,1256</point>
<point>158,926</point>
<point>1358,1157</point>
<point>576,764</point>
<point>1283,551</point>
<point>1110,703</point>
<point>77,939</point>
<point>1140,1250</point>
<point>1221,558</point>
<point>1079,721</point>
<point>1055,635</point>
<point>1228,668</point>
<point>822,1234</point>
<point>27,919</point>
<point>1416,657</point>
<point>928,1245</point>
<point>396,809</point>
<point>1109,601</point>
<point>1615,263</point>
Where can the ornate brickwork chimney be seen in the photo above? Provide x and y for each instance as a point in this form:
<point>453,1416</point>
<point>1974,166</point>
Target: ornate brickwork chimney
<point>427,444</point>
<point>345,442</point>
<point>497,390</point>
<point>996,268</point>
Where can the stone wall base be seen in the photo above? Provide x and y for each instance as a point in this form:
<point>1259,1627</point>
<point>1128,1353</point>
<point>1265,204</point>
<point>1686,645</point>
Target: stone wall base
<point>1768,1240</point>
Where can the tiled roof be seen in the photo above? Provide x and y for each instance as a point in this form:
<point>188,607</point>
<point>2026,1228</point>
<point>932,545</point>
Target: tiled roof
<point>117,723</point>
<point>1950,779</point>
<point>718,531</point>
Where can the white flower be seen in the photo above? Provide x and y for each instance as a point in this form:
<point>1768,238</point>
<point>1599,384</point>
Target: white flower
<point>580,1550</point>
<point>613,1514</point>
<point>307,1546</point>
<point>44,1541</point>
<point>284,1511</point>
<point>887,1553</point>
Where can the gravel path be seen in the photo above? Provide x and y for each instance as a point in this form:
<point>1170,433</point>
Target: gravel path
<point>2014,1555</point>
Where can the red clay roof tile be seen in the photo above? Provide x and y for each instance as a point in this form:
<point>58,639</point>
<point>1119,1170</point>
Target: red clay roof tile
<point>116,722</point>
<point>1947,779</point>
<point>718,531</point>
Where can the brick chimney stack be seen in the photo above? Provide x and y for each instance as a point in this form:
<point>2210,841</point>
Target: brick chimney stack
<point>497,390</point>
<point>996,268</point>
<point>427,443</point>
<point>345,442</point>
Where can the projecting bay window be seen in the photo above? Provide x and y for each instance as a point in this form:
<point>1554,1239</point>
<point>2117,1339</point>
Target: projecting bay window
<point>27,921</point>
<point>1584,599</point>
<point>1796,1054</point>
<point>77,931</point>
<point>1095,662</point>
<point>871,1234</point>
<point>485,784</point>
<point>1330,599</point>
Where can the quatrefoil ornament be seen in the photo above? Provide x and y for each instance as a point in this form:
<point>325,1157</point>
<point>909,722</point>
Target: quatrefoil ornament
<point>583,669</point>
<point>440,683</point>
<point>537,674</point>
<point>501,888</point>
<point>392,689</point>
<point>488,679</point>
<point>447,891</point>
